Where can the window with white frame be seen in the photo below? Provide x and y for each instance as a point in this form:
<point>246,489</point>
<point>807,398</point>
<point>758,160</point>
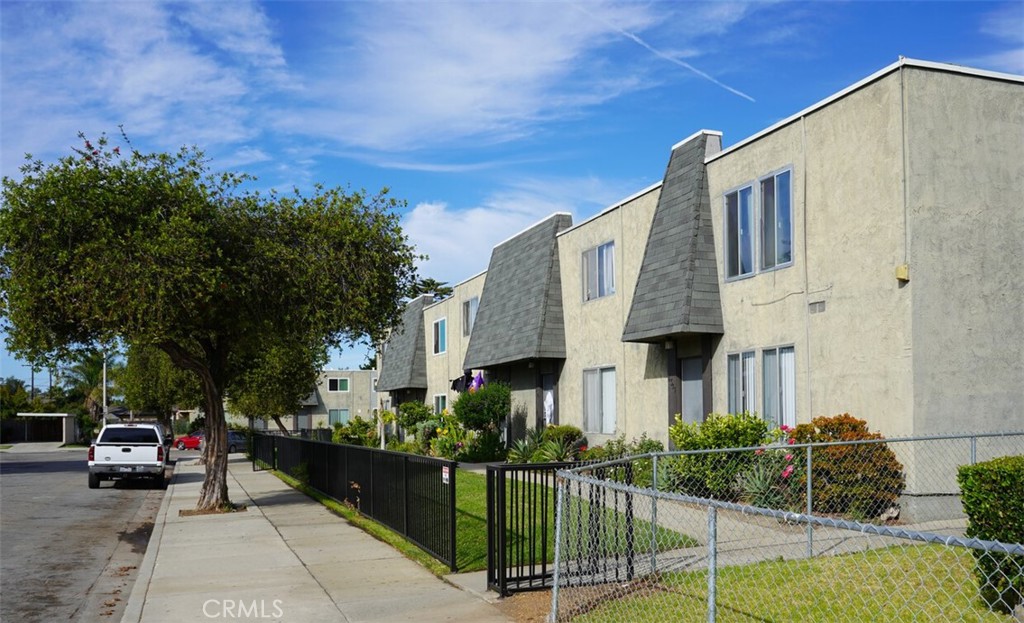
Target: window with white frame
<point>440,336</point>
<point>440,403</point>
<point>337,416</point>
<point>779,385</point>
<point>599,271</point>
<point>739,238</point>
<point>776,220</point>
<point>337,385</point>
<point>469,309</point>
<point>741,382</point>
<point>599,400</point>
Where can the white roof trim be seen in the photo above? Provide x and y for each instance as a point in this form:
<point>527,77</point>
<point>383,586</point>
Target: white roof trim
<point>614,206</point>
<point>960,69</point>
<point>529,227</point>
<point>695,135</point>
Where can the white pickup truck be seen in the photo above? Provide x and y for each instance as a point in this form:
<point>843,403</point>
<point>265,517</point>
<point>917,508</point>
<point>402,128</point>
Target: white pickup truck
<point>128,451</point>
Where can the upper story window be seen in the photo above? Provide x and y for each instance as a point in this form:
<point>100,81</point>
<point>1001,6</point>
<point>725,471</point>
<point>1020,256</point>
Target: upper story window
<point>739,235</point>
<point>469,309</point>
<point>440,336</point>
<point>599,271</point>
<point>772,220</point>
<point>776,221</point>
<point>337,385</point>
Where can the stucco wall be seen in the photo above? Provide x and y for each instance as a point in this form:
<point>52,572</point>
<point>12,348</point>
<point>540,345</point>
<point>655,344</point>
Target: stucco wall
<point>593,329</point>
<point>443,368</point>
<point>360,399</point>
<point>848,237</point>
<point>965,139</point>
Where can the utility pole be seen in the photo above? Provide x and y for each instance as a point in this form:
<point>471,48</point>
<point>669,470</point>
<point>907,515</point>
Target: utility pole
<point>104,387</point>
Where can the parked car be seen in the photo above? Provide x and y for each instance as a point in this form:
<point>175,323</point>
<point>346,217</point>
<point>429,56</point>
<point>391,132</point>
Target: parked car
<point>189,442</point>
<point>237,442</point>
<point>128,451</point>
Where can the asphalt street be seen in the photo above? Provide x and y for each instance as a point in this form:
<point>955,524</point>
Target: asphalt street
<point>68,552</point>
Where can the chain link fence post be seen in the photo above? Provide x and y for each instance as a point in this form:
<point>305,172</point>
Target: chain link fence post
<point>810,490</point>
<point>712,562</point>
<point>559,513</point>
<point>654,514</point>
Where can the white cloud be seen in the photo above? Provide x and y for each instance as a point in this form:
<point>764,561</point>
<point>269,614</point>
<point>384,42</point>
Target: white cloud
<point>459,241</point>
<point>418,73</point>
<point>1005,26</point>
<point>169,73</point>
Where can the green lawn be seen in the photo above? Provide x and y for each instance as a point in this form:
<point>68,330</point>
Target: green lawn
<point>906,583</point>
<point>471,525</point>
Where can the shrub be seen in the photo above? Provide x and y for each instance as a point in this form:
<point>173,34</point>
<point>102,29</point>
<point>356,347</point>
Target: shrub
<point>425,431</point>
<point>992,500</point>
<point>714,475</point>
<point>772,480</point>
<point>451,438</point>
<point>408,447</point>
<point>412,413</point>
<point>482,447</point>
<point>862,481</point>
<point>563,434</point>
<point>642,469</point>
<point>483,408</point>
<point>358,432</point>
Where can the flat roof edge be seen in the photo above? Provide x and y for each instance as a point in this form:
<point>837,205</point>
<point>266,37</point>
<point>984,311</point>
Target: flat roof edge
<point>909,62</point>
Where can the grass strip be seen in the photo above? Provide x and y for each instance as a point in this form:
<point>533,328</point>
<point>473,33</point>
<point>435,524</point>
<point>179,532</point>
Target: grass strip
<point>377,530</point>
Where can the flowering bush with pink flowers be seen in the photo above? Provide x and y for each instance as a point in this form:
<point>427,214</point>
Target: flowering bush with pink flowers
<point>770,481</point>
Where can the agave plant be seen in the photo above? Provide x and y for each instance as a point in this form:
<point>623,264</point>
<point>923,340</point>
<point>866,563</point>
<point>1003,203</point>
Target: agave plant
<point>552,451</point>
<point>522,451</point>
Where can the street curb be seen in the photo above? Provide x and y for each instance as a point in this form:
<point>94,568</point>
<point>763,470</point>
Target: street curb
<point>136,601</point>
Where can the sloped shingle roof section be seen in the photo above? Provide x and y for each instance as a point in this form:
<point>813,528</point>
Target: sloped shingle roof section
<point>677,289</point>
<point>520,314</point>
<point>404,364</point>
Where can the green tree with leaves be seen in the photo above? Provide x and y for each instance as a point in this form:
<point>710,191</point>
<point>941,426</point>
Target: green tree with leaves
<point>83,378</point>
<point>155,249</point>
<point>276,385</point>
<point>440,289</point>
<point>153,384</point>
<point>14,397</point>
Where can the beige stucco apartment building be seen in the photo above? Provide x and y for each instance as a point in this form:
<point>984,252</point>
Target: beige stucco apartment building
<point>860,256</point>
<point>339,396</point>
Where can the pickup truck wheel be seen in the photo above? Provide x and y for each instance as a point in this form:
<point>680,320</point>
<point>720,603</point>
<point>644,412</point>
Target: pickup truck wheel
<point>181,445</point>
<point>94,481</point>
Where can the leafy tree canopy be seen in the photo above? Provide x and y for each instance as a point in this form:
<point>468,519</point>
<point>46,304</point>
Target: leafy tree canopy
<point>155,249</point>
<point>153,384</point>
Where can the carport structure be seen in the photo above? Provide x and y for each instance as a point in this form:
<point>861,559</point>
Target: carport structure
<point>49,427</point>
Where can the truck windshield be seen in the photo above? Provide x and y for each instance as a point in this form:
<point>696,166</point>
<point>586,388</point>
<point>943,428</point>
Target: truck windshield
<point>129,435</point>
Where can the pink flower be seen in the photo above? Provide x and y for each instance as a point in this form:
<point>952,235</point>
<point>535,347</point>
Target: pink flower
<point>759,451</point>
<point>785,428</point>
<point>789,457</point>
<point>786,473</point>
<point>791,441</point>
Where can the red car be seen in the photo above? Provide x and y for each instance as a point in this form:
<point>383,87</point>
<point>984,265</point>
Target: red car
<point>189,442</point>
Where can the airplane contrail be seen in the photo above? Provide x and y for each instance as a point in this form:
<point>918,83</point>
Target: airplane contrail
<point>665,56</point>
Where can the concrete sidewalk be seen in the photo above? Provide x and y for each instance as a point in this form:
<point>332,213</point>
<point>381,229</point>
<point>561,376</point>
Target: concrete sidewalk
<point>285,558</point>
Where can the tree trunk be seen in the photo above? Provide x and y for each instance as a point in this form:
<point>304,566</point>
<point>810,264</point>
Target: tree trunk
<point>280,424</point>
<point>214,493</point>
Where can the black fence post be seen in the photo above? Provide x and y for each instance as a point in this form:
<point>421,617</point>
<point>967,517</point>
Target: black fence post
<point>452,517</point>
<point>630,550</point>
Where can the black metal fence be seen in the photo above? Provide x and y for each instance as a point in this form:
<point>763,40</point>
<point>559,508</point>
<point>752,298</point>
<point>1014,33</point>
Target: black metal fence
<point>521,526</point>
<point>413,495</point>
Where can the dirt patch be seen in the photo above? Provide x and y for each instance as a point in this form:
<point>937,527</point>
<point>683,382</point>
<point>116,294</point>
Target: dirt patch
<point>528,607</point>
<point>233,508</point>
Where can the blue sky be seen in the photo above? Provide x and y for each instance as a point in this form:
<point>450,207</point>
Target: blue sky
<point>484,116</point>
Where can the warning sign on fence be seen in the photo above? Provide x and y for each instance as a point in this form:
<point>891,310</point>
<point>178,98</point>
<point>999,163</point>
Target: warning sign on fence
<point>444,474</point>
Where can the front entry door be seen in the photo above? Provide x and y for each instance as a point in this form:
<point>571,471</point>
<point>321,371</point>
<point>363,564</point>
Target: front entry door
<point>693,389</point>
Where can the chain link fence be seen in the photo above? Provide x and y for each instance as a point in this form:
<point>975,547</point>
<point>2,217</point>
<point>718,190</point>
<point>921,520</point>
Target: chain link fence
<point>860,531</point>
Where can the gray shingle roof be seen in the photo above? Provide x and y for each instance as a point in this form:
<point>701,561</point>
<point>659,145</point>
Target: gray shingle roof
<point>404,364</point>
<point>677,289</point>
<point>520,314</point>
